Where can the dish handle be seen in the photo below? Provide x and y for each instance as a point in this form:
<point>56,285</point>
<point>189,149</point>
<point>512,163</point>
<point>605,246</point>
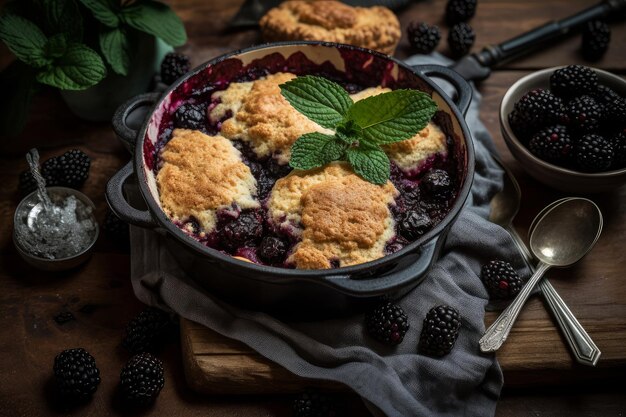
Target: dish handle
<point>116,200</point>
<point>125,133</point>
<point>389,282</point>
<point>463,89</point>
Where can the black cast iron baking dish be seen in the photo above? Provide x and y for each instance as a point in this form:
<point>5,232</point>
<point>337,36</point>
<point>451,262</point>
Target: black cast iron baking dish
<point>279,289</point>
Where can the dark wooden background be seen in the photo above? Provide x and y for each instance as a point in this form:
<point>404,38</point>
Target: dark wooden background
<point>100,296</point>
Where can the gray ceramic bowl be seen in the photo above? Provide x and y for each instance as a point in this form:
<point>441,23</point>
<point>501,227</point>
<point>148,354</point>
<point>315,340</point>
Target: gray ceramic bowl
<point>60,264</point>
<point>554,176</point>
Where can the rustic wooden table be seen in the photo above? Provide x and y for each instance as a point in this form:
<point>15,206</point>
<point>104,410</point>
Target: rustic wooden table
<point>540,377</point>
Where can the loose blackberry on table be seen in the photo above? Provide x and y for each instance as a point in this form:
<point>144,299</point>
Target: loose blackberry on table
<point>573,81</point>
<point>387,323</point>
<point>594,153</point>
<point>174,66</point>
<point>76,375</point>
<point>500,280</point>
<point>147,330</point>
<point>461,39</point>
<point>313,404</point>
<point>142,379</point>
<point>440,331</point>
<point>595,40</point>
<point>460,11</point>
<point>423,37</point>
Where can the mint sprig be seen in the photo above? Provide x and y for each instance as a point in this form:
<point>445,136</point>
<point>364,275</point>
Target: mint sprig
<point>361,128</point>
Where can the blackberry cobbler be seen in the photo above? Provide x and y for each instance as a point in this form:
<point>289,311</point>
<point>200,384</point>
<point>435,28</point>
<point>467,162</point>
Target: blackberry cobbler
<point>224,179</point>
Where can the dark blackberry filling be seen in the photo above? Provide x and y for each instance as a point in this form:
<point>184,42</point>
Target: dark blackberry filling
<point>426,194</point>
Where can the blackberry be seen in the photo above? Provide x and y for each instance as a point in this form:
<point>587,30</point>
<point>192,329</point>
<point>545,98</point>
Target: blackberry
<point>460,11</point>
<point>313,404</point>
<point>247,228</point>
<point>76,375</point>
<point>174,66</point>
<point>437,184</point>
<point>414,224</point>
<point>264,184</point>
<point>191,116</point>
<point>64,317</point>
<point>142,379</point>
<point>595,40</point>
<point>272,249</point>
<point>605,95</point>
<point>500,280</point>
<point>552,144</point>
<point>619,148</point>
<point>584,114</point>
<point>68,170</point>
<point>387,323</point>
<point>615,111</point>
<point>116,228</point>
<point>440,331</point>
<point>594,153</point>
<point>522,127</point>
<point>539,108</point>
<point>573,81</point>
<point>26,183</point>
<point>147,330</point>
<point>422,37</point>
<point>460,39</point>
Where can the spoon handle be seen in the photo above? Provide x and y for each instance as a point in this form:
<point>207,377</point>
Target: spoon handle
<point>499,330</point>
<point>584,349</point>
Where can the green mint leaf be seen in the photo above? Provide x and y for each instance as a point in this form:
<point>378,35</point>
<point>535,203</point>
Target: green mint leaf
<point>79,68</point>
<point>323,101</point>
<point>24,39</point>
<point>156,19</point>
<point>56,46</point>
<point>101,10</point>
<point>116,50</point>
<point>371,163</point>
<point>392,117</point>
<point>63,16</point>
<point>313,150</point>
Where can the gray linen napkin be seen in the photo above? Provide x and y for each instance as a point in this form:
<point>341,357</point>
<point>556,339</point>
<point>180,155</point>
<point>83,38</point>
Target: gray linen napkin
<point>394,381</point>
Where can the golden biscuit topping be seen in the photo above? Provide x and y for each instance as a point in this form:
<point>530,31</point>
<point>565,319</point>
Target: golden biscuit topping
<point>201,174</point>
<point>262,117</point>
<point>368,27</point>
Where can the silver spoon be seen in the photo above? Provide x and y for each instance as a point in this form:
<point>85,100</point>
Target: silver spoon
<point>504,208</point>
<point>562,236</point>
<point>585,350</point>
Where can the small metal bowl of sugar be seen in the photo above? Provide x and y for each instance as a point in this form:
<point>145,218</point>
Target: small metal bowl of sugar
<point>55,232</point>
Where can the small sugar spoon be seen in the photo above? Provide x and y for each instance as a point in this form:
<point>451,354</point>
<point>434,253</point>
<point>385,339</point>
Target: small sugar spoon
<point>562,236</point>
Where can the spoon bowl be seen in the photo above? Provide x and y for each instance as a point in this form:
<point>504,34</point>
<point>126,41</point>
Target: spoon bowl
<point>566,232</point>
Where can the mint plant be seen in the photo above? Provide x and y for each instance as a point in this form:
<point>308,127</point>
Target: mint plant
<point>360,128</point>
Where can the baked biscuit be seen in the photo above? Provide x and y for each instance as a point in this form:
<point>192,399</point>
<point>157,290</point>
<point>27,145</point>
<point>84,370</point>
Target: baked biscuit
<point>200,175</point>
<point>344,219</point>
<point>374,27</point>
<point>262,117</point>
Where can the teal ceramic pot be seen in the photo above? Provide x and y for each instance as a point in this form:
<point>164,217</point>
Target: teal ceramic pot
<point>98,103</point>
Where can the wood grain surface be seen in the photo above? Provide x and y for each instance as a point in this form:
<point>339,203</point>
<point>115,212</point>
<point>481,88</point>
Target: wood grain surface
<point>100,296</point>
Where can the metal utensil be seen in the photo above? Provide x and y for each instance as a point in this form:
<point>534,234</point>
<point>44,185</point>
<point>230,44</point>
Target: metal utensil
<point>562,236</point>
<point>478,66</point>
<point>504,208</point>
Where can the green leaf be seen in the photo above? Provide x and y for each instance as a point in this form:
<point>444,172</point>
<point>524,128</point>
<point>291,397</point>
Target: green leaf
<point>323,101</point>
<point>24,39</point>
<point>393,116</point>
<point>63,16</point>
<point>116,50</point>
<point>17,83</point>
<point>102,11</point>
<point>80,68</point>
<point>313,150</point>
<point>156,19</point>
<point>56,46</point>
<point>371,163</point>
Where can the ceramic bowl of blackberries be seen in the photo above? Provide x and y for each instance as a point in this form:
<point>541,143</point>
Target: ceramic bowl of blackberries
<point>567,127</point>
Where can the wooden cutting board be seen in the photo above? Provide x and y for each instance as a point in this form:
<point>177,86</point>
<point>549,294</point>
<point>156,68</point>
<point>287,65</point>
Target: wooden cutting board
<point>535,353</point>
